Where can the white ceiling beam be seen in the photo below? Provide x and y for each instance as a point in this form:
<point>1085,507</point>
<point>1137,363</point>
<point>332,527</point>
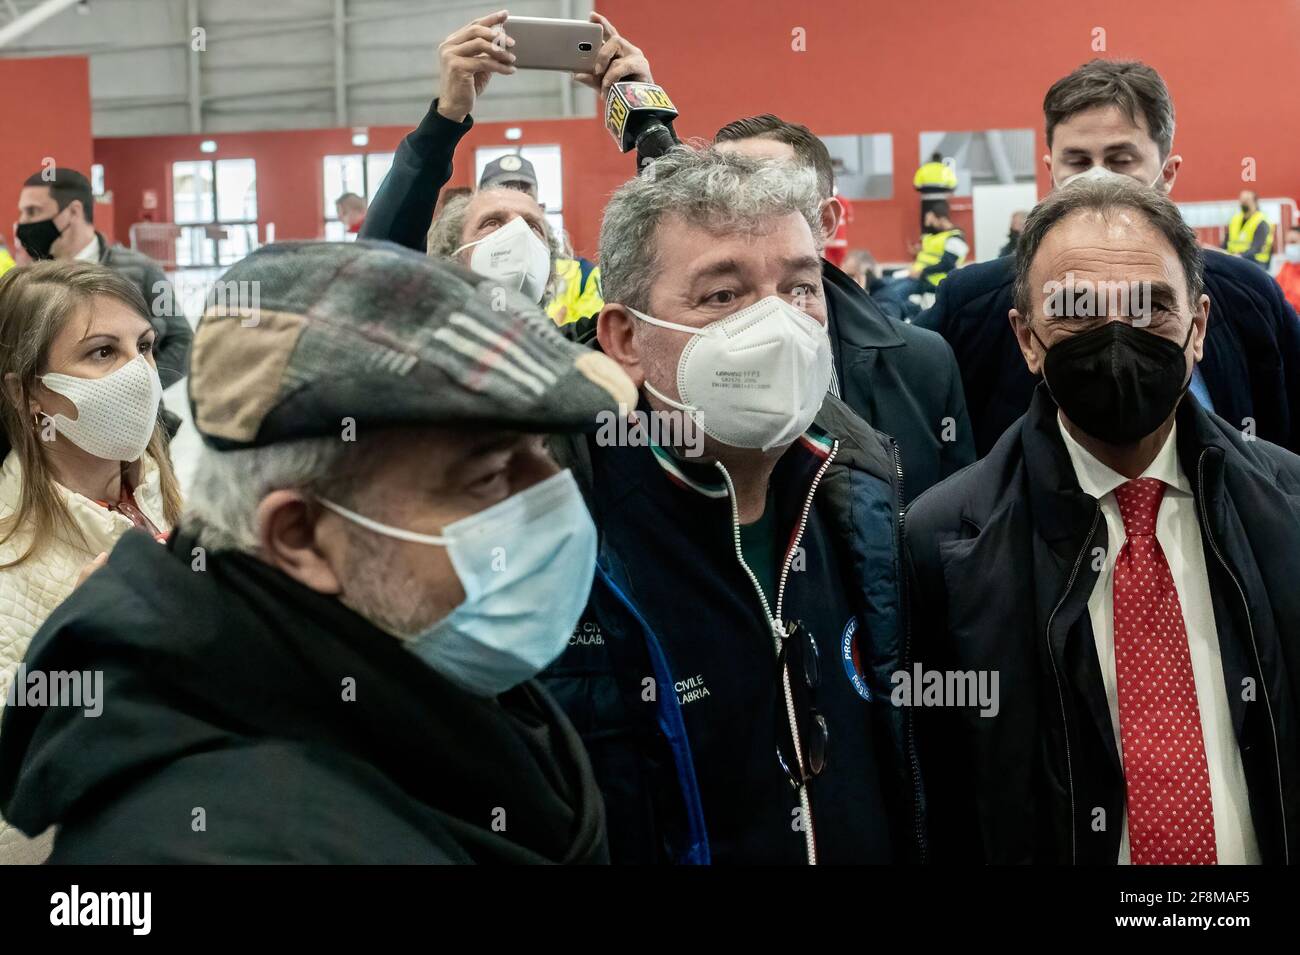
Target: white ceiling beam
<point>138,102</point>
<point>25,23</point>
<point>566,85</point>
<point>340,64</point>
<point>360,61</point>
<point>109,49</point>
<point>414,10</point>
<point>194,86</point>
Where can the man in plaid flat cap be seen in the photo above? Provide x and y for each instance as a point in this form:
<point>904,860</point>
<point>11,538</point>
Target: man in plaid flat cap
<point>332,658</point>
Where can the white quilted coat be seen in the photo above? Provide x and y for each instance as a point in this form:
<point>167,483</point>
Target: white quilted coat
<point>30,591</point>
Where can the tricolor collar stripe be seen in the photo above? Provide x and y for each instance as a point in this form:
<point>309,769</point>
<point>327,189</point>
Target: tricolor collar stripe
<point>818,442</point>
<point>678,475</point>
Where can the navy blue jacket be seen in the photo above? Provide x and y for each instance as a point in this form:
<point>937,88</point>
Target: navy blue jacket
<point>1252,350</point>
<point>671,677</point>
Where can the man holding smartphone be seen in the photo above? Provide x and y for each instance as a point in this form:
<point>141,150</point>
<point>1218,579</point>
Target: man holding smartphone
<point>402,209</point>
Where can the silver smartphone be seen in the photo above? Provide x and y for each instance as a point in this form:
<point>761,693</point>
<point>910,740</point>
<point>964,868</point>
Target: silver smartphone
<point>545,44</point>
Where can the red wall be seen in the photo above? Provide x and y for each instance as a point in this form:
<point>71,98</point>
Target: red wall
<point>869,67</point>
<point>44,111</point>
<point>290,174</point>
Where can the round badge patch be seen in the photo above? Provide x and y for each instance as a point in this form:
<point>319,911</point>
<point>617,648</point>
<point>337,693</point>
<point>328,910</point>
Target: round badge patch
<point>510,163</point>
<point>852,661</point>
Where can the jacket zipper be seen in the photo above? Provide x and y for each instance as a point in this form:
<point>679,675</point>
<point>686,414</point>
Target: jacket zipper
<point>913,761</point>
<point>1250,626</point>
<point>1056,674</point>
<point>778,628</point>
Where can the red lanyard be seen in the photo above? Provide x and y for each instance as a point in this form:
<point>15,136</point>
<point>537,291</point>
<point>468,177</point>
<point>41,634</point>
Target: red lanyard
<point>126,506</point>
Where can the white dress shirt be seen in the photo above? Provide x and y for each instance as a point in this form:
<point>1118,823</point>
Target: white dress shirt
<point>1179,535</point>
<point>90,253</point>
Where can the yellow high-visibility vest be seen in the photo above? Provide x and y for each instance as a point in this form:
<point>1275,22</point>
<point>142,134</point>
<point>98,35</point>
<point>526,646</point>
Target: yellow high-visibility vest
<point>932,249</point>
<point>574,297</point>
<point>1241,235</point>
<point>6,261</point>
<point>935,175</point>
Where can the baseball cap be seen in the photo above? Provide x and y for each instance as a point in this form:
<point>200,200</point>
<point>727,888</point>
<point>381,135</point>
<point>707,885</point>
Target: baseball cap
<point>507,169</point>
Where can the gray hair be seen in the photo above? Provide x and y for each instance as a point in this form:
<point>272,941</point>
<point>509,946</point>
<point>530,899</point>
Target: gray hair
<point>722,192</point>
<point>447,230</point>
<point>228,486</point>
<point>1104,196</point>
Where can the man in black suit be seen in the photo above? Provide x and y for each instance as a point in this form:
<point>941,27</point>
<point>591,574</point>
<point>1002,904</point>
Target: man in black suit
<point>1117,117</point>
<point>1122,565</point>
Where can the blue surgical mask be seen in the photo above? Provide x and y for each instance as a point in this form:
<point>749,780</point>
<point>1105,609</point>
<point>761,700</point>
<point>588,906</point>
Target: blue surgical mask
<point>526,564</point>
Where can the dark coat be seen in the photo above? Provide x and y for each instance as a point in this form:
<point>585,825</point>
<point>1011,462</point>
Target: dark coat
<point>999,582</point>
<point>655,594</point>
<point>303,732</point>
<point>901,380</point>
<point>1252,350</point>
<point>402,209</point>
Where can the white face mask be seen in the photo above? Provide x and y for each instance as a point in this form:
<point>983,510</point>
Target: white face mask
<point>526,564</point>
<point>1101,173</point>
<point>1292,252</point>
<point>116,414</point>
<point>754,379</point>
<point>514,256</point>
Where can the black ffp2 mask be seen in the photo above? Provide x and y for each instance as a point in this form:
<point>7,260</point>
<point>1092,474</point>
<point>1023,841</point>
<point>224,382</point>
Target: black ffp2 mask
<point>39,237</point>
<point>1118,383</point>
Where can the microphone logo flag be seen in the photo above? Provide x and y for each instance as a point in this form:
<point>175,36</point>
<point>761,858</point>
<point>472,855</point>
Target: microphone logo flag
<point>627,98</point>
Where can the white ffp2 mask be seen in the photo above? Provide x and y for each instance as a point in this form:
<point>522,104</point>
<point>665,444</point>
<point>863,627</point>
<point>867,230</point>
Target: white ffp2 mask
<point>514,256</point>
<point>116,414</point>
<point>1101,174</point>
<point>754,379</point>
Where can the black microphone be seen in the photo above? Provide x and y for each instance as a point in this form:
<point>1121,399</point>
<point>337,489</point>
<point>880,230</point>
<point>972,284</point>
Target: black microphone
<point>640,115</point>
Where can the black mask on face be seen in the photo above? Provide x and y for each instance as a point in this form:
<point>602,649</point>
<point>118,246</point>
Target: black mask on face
<point>38,237</point>
<point>1245,208</point>
<point>1118,383</point>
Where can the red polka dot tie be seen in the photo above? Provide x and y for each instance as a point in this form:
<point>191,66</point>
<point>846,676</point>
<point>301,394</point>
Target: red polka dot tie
<point>1170,815</point>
